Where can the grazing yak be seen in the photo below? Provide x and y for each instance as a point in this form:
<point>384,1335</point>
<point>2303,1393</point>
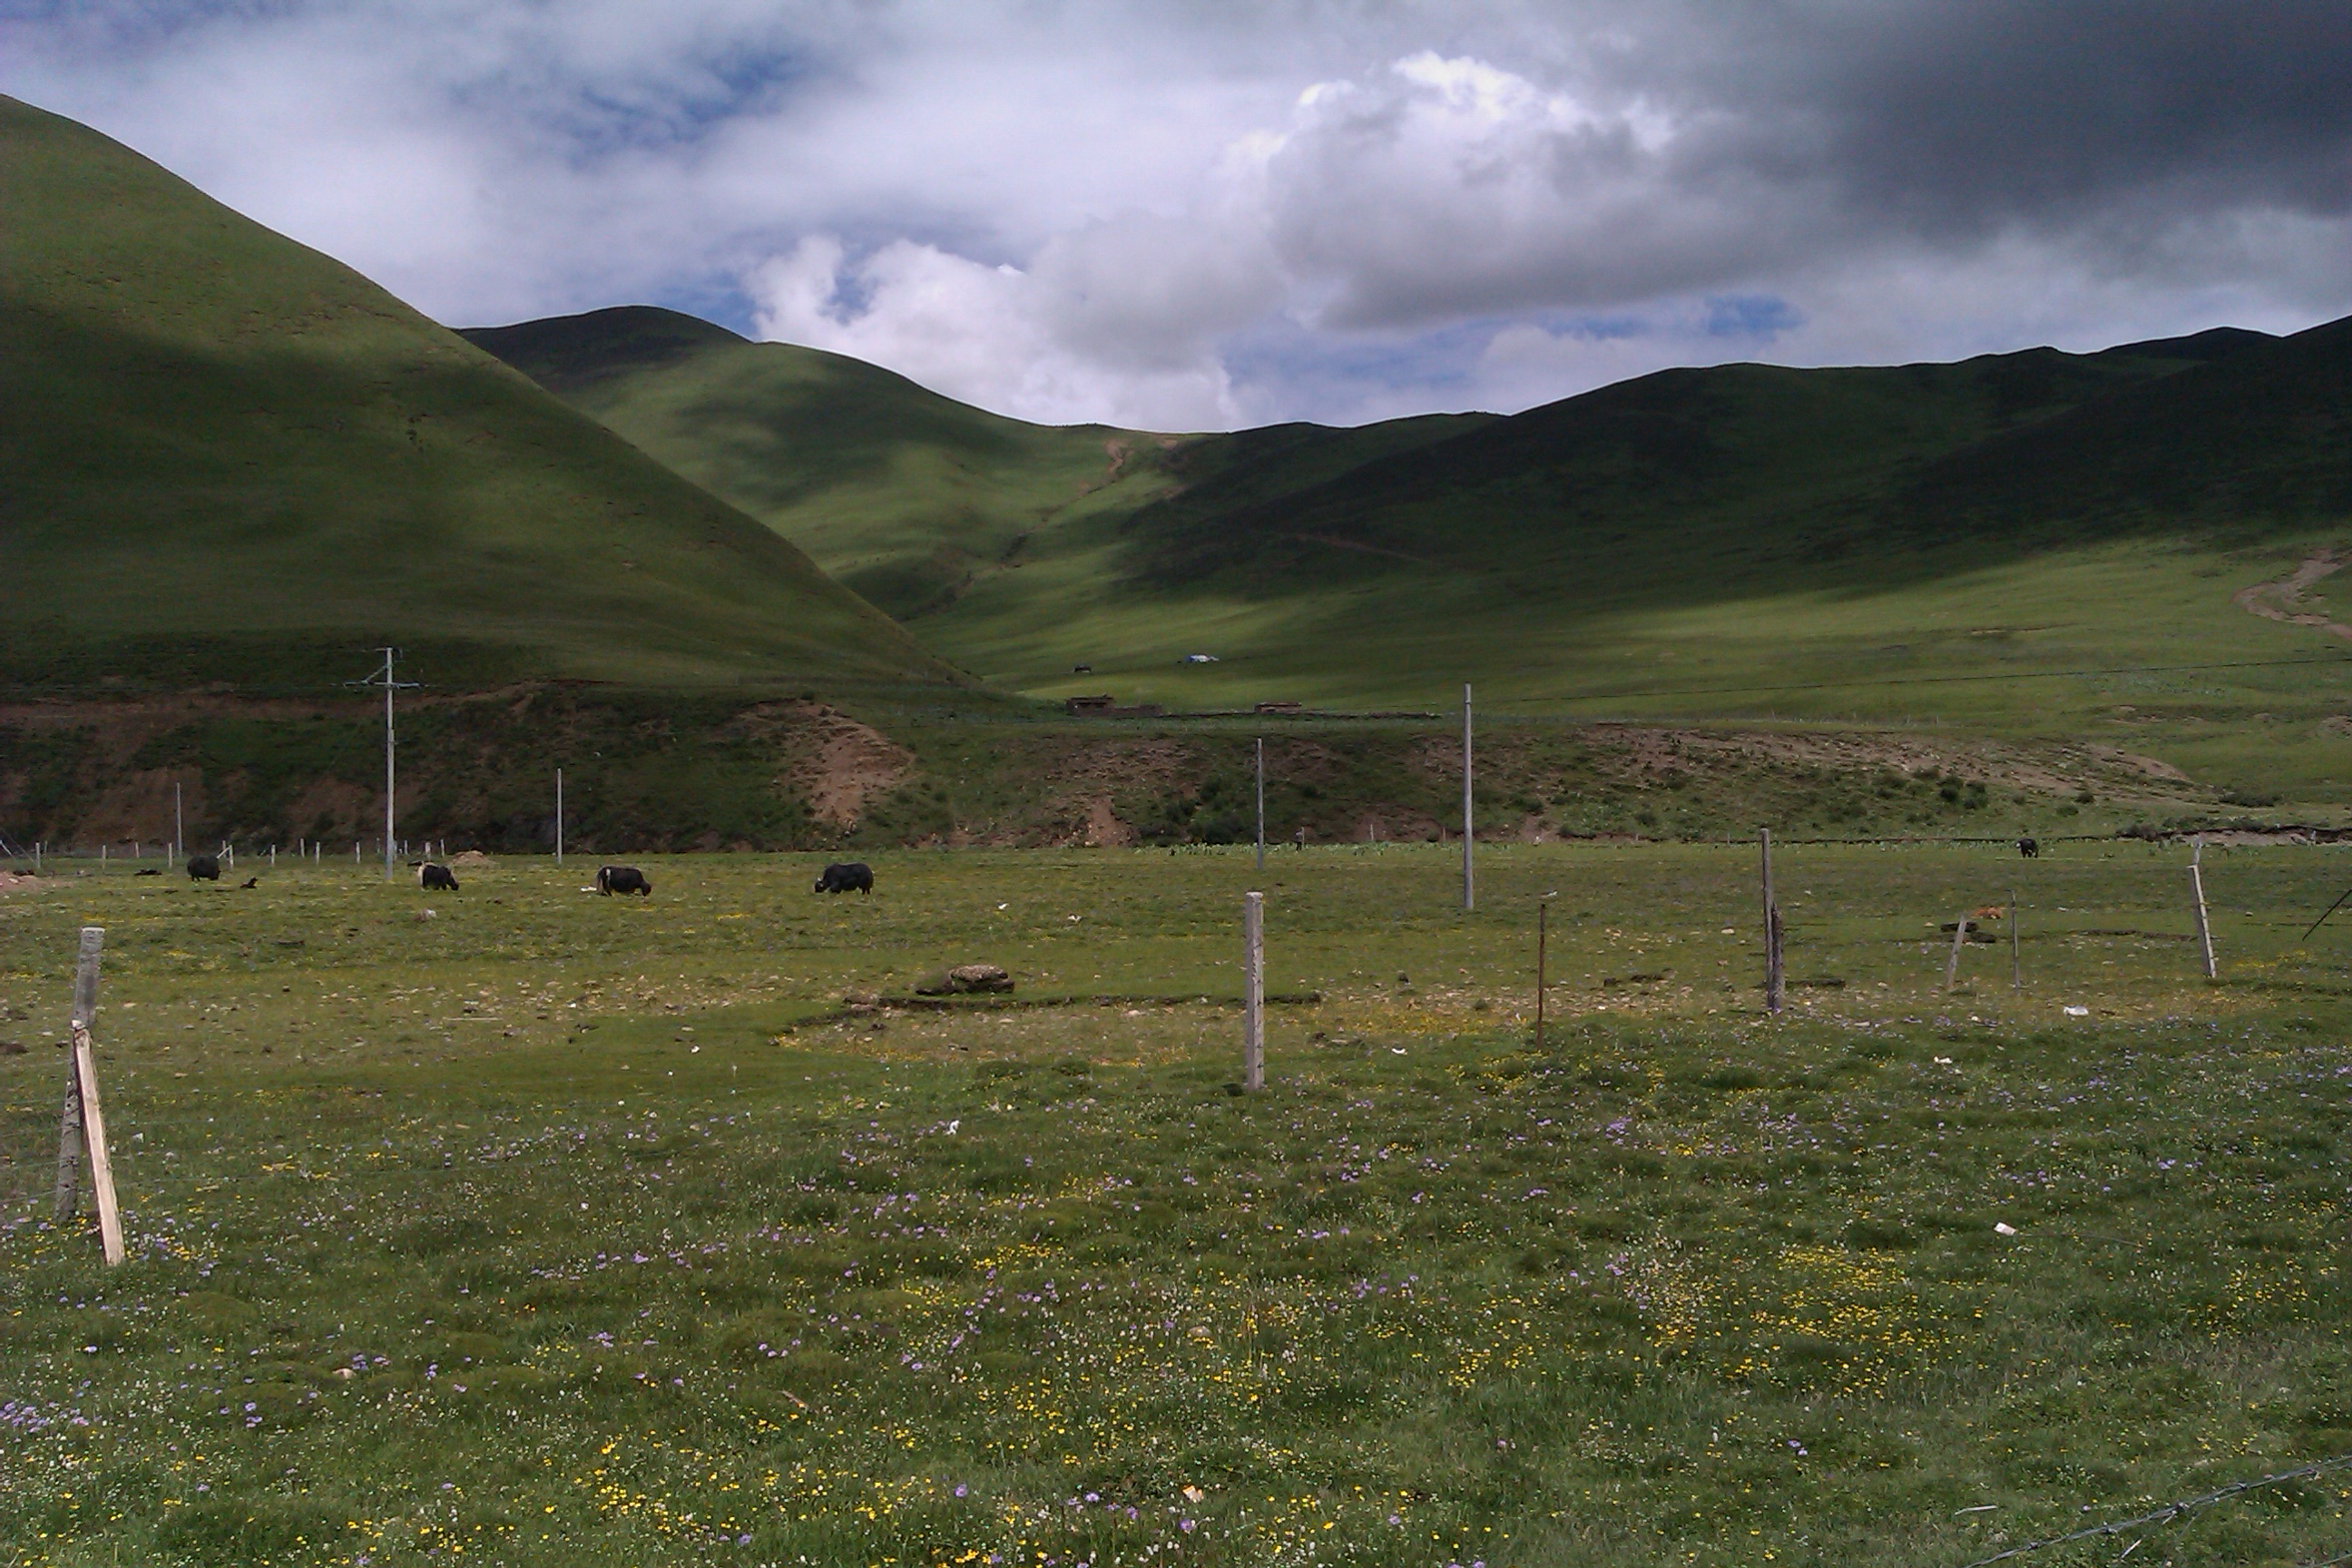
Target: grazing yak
<point>204,869</point>
<point>855,876</point>
<point>2029,848</point>
<point>623,880</point>
<point>436,878</point>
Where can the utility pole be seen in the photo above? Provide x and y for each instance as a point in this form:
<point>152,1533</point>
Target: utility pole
<point>1253,991</point>
<point>1260,803</point>
<point>179,847</point>
<point>1469,829</point>
<point>559,817</point>
<point>384,678</point>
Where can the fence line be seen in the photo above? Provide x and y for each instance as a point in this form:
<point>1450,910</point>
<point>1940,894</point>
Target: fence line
<point>2173,1510</point>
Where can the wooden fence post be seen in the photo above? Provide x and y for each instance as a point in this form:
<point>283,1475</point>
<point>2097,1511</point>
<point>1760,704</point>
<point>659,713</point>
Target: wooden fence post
<point>1540,908</point>
<point>1952,966</point>
<point>1254,991</point>
<point>1775,981</point>
<point>1469,823</point>
<point>2016,975</point>
<point>68,1144</point>
<point>2197,887</point>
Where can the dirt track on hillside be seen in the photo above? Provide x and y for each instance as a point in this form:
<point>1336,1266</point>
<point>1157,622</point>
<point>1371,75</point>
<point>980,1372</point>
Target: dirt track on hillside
<point>2277,600</point>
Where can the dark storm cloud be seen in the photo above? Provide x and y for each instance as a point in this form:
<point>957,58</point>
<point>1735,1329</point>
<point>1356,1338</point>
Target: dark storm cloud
<point>1960,116</point>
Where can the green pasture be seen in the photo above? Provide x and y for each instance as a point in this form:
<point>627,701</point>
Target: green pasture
<point>549,1229</point>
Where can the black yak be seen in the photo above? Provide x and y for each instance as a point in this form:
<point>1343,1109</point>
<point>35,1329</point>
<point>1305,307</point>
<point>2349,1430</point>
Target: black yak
<point>854,876</point>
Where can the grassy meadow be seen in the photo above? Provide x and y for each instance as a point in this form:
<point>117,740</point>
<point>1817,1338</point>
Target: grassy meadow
<point>545,1228</point>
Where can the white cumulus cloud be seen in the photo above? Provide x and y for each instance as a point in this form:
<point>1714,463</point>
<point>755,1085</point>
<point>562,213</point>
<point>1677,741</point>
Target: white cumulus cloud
<point>1181,217</point>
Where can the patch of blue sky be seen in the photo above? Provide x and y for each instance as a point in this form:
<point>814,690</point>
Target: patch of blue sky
<point>679,103</point>
<point>1280,351</point>
<point>1760,316</point>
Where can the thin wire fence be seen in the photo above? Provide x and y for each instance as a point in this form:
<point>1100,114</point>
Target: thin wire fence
<point>2177,1512</point>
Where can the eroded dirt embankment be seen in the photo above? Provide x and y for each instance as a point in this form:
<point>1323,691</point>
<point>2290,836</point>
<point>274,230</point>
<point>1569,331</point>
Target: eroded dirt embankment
<point>709,771</point>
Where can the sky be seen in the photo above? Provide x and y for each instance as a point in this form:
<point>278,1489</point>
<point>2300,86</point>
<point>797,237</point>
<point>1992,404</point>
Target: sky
<point>1192,216</point>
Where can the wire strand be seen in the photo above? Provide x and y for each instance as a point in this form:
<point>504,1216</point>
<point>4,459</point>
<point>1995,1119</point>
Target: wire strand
<point>2173,1510</point>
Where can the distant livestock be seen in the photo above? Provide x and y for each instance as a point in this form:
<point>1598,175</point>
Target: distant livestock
<point>250,882</point>
<point>204,869</point>
<point>623,880</point>
<point>436,878</point>
<point>854,876</point>
<point>2028,847</point>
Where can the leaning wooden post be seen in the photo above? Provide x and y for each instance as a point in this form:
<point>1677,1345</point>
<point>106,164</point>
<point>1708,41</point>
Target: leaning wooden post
<point>1952,965</point>
<point>2197,887</point>
<point>1775,988</point>
<point>1254,991</point>
<point>83,1104</point>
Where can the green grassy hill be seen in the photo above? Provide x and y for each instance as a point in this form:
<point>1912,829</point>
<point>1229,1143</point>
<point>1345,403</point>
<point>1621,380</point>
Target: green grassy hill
<point>912,499</point>
<point>902,494</point>
<point>227,457</point>
<point>2030,543</point>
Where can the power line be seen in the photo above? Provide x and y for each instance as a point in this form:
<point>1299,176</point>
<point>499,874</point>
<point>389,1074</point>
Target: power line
<point>1951,679</point>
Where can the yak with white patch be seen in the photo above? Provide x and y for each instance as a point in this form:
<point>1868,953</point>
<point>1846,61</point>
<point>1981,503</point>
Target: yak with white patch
<point>623,880</point>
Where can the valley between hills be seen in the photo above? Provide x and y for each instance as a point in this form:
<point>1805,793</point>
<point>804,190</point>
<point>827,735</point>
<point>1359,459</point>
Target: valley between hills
<point>750,594</point>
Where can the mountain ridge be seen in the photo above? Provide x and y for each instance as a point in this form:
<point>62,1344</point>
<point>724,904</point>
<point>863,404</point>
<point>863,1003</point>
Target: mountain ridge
<point>248,461</point>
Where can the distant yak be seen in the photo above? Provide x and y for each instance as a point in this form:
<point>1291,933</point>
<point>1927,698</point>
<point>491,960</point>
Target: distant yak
<point>2029,848</point>
<point>204,869</point>
<point>436,878</point>
<point>623,880</point>
<point>852,876</point>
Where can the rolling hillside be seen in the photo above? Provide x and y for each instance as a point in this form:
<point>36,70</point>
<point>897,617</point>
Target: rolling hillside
<point>225,457</point>
<point>901,494</point>
<point>2032,543</point>
<point>910,498</point>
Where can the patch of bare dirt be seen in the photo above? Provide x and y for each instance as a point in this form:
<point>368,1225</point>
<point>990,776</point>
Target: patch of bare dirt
<point>838,761</point>
<point>1104,829</point>
<point>25,882</point>
<point>2278,601</point>
<point>2038,769</point>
